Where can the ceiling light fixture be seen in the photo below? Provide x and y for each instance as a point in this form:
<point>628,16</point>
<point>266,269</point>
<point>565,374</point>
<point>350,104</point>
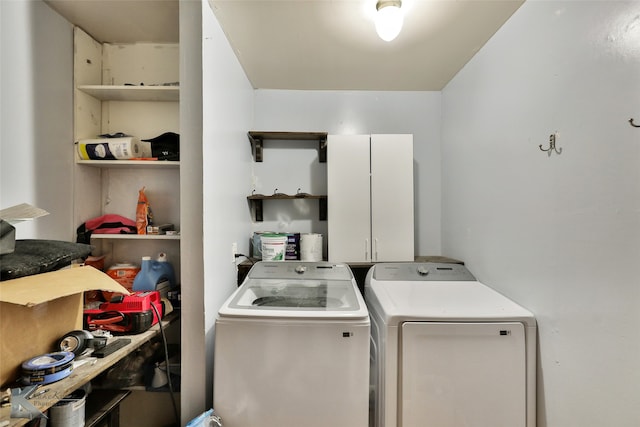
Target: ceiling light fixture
<point>388,19</point>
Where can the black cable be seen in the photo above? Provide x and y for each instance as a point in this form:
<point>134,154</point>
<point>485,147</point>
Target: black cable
<point>166,360</point>
<point>248,258</point>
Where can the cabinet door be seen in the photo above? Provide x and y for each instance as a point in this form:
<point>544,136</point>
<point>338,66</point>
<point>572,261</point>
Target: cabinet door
<point>462,374</point>
<point>348,210</point>
<point>392,197</point>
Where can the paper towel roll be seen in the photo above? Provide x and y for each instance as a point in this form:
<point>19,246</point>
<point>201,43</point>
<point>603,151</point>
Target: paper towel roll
<point>109,148</point>
<point>311,247</point>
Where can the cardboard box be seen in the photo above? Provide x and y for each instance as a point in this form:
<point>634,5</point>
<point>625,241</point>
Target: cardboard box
<point>36,311</point>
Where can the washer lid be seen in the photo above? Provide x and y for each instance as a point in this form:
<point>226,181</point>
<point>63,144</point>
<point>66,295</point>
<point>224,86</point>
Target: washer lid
<point>281,291</point>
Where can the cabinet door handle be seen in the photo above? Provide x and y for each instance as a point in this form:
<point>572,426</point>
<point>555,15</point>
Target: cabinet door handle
<point>375,248</point>
<point>366,249</point>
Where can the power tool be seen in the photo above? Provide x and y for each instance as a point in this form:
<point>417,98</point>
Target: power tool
<point>126,314</point>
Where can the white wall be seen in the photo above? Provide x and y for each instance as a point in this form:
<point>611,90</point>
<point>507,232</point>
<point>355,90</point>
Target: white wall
<point>227,105</point>
<point>193,356</point>
<point>36,118</point>
<point>560,234</point>
<point>349,112</point>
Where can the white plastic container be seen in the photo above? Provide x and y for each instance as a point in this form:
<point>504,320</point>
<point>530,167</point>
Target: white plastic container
<point>109,148</point>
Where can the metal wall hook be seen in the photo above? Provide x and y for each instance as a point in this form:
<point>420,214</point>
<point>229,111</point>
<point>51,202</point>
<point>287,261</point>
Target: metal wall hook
<point>552,145</point>
<point>633,124</point>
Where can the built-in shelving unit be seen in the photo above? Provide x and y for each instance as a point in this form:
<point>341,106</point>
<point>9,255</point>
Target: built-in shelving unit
<point>106,104</point>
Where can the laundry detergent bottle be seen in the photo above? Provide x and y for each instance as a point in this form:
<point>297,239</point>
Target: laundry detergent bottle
<point>153,272</point>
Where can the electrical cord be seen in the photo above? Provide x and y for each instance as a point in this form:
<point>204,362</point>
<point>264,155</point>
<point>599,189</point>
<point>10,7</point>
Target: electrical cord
<point>166,360</point>
<point>248,258</point>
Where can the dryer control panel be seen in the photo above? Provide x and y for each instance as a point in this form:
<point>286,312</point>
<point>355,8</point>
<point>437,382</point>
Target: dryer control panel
<point>427,271</point>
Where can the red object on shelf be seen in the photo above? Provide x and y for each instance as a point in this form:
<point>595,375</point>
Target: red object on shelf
<point>128,314</point>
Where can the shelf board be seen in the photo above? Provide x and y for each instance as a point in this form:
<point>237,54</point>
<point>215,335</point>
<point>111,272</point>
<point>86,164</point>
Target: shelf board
<point>135,236</point>
<point>257,138</point>
<point>284,197</point>
<point>132,93</point>
<point>288,136</point>
<point>137,164</point>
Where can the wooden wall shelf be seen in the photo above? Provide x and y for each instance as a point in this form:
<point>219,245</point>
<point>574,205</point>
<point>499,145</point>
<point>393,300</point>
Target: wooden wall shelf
<point>256,200</point>
<point>257,138</point>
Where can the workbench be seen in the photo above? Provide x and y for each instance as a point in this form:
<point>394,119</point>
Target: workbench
<point>88,370</point>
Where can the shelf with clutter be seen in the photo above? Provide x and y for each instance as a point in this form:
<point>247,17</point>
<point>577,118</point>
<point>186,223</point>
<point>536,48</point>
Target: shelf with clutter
<point>126,138</point>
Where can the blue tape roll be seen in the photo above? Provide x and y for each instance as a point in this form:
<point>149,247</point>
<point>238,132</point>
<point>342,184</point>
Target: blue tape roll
<point>47,379</point>
<point>48,361</point>
<point>46,371</point>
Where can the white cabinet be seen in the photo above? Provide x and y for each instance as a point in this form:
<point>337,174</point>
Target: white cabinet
<point>129,88</point>
<point>370,198</point>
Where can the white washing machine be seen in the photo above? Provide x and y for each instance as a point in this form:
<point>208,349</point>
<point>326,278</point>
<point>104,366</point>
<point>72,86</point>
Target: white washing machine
<point>292,349</point>
<point>448,351</point>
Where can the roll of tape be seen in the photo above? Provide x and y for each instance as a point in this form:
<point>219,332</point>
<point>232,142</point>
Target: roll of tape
<point>47,379</point>
<point>76,342</point>
<point>48,361</point>
<point>46,371</point>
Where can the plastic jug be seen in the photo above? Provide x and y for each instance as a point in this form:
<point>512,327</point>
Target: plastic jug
<point>153,272</point>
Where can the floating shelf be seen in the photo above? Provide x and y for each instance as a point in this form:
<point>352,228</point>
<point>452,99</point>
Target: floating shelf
<point>256,200</point>
<point>135,236</point>
<point>132,93</point>
<point>257,141</point>
<point>137,164</point>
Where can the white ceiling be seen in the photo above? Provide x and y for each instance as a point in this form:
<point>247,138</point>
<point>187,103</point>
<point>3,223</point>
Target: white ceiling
<point>316,44</point>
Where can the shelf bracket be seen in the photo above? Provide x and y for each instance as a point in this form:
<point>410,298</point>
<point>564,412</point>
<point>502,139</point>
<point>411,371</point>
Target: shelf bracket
<point>322,150</point>
<point>322,206</point>
<point>257,145</point>
<point>256,207</point>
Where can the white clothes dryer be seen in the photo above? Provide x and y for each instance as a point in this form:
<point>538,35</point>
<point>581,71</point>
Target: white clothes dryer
<point>292,348</point>
<point>447,350</point>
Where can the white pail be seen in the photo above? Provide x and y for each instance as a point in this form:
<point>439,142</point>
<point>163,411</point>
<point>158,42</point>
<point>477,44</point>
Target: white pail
<point>274,247</point>
<point>69,412</point>
<point>311,247</point>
